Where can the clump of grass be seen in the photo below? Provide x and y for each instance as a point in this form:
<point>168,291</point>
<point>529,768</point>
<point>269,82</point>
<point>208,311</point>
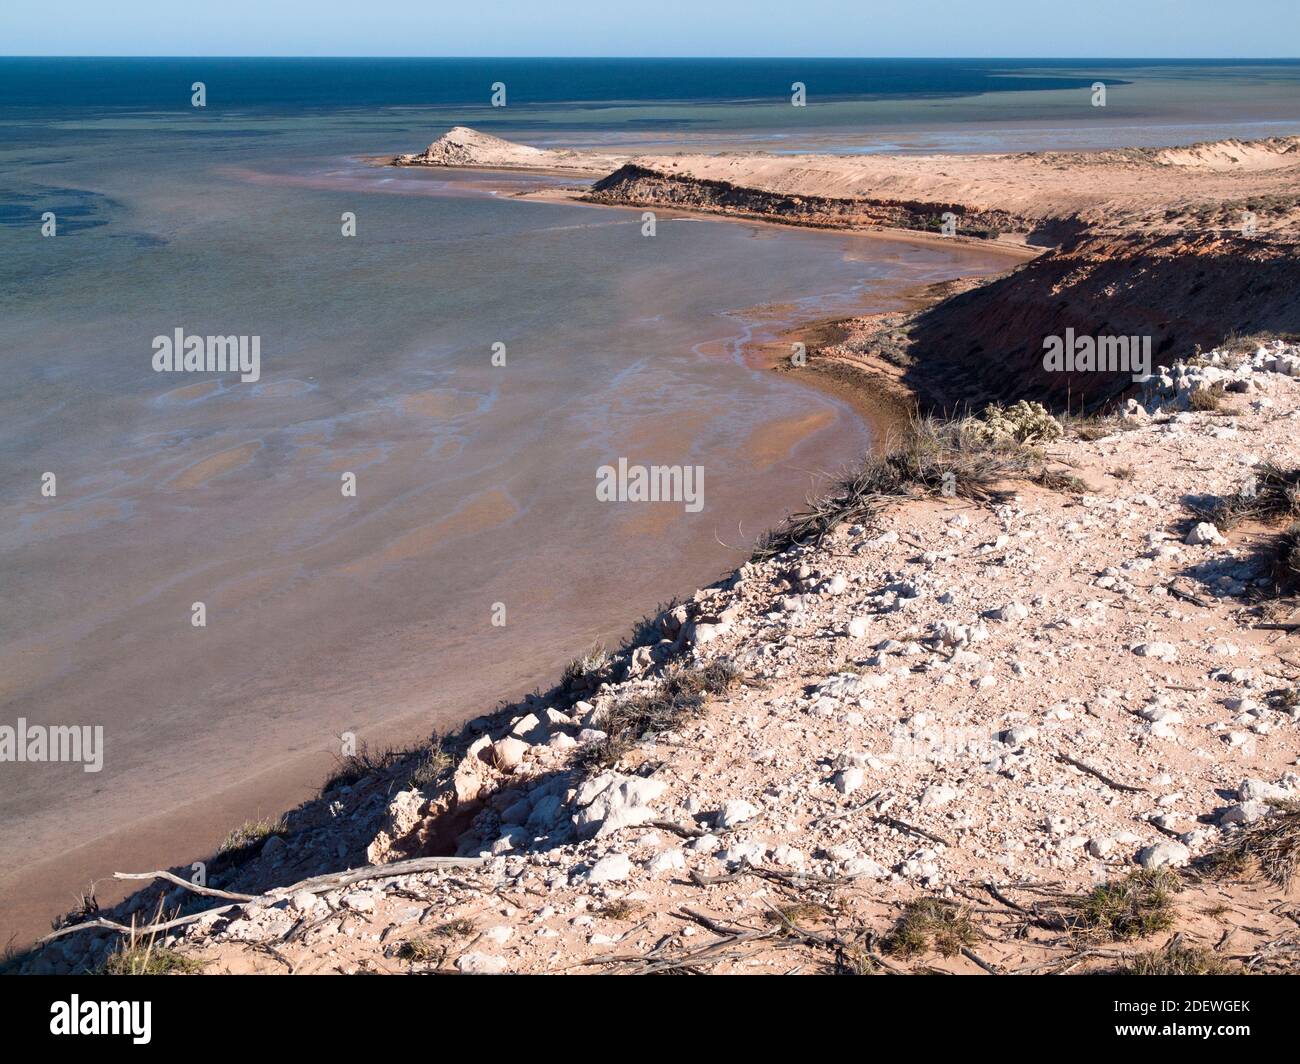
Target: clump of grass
<point>930,923</point>
<point>1269,847</point>
<point>854,962</point>
<point>1273,496</point>
<point>1286,559</point>
<point>434,763</point>
<point>423,950</point>
<point>459,928</point>
<point>365,762</point>
<point>620,909</point>
<point>680,695</point>
<point>432,948</point>
<point>1059,480</point>
<point>1204,400</point>
<point>1138,905</point>
<point>251,834</point>
<point>712,678</point>
<point>136,955</point>
<point>150,960</point>
<point>603,753</point>
<point>959,458</point>
<point>583,672</point>
<point>1276,558</point>
<point>648,630</point>
<point>1178,960</point>
<point>87,908</point>
<point>1096,425</point>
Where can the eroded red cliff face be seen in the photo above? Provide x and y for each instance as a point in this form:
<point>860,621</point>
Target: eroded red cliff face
<point>640,186</point>
<point>1167,291</point>
<point>987,343</point>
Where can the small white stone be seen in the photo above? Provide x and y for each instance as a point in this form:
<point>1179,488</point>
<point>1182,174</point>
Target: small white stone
<point>735,811</point>
<point>1166,853</point>
<point>1204,533</point>
<point>481,964</point>
<point>612,868</point>
<point>849,780</point>
<point>1012,611</point>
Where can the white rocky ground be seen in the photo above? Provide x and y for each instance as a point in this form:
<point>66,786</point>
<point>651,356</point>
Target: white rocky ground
<point>919,702</point>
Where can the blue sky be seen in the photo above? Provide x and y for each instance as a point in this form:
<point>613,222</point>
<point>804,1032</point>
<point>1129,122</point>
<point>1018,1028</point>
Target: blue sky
<point>1068,28</point>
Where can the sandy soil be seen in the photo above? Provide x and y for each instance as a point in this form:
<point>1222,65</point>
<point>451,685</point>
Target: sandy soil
<point>1197,187</point>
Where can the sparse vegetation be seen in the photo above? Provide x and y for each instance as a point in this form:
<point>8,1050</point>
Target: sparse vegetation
<point>1269,847</point>
<point>1022,422</point>
<point>620,909</point>
<point>680,695</point>
<point>136,955</point>
<point>460,928</point>
<point>1204,400</point>
<point>931,923</point>
<point>423,950</point>
<point>1272,497</point>
<point>433,947</point>
<point>433,764</point>
<point>646,631</point>
<point>1286,559</point>
<point>854,962</point>
<point>1178,960</point>
<point>798,913</point>
<point>580,674</point>
<point>150,960</point>
<point>1141,904</point>
<point>357,766</point>
<point>962,458</point>
<point>249,835</point>
<point>1059,480</point>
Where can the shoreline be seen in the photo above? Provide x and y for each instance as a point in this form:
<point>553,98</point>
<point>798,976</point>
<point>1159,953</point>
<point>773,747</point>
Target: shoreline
<point>1015,250</point>
<point>134,845</point>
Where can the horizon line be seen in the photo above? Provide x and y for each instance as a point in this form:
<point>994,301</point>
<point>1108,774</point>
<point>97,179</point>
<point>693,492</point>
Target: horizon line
<point>849,58</point>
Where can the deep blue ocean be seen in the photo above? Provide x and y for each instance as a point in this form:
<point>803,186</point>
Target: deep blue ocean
<point>276,84</point>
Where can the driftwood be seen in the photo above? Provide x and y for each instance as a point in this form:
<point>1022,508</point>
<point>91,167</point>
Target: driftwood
<point>123,929</point>
<point>686,831</point>
<point>910,829</point>
<point>315,885</point>
<point>320,884</point>
<point>1187,596</point>
<point>1082,767</point>
<point>194,888</point>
